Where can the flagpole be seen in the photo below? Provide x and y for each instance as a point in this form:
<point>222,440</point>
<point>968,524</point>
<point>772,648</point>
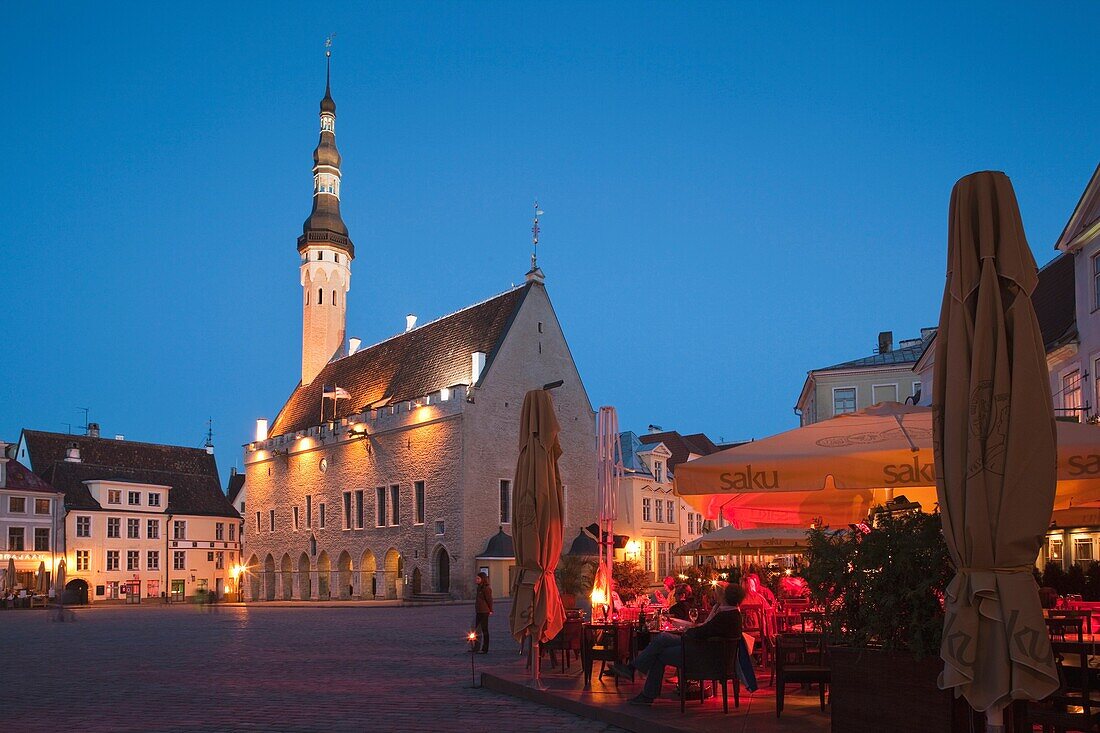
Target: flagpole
<point>323,402</point>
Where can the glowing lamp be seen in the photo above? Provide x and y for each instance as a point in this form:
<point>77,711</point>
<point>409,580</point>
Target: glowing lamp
<point>599,598</point>
<point>681,576</point>
<point>261,429</point>
<point>633,547</point>
<point>714,584</point>
<point>472,636</point>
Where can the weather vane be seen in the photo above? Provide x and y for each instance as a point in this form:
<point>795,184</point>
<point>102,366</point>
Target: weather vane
<point>535,236</point>
<point>328,45</point>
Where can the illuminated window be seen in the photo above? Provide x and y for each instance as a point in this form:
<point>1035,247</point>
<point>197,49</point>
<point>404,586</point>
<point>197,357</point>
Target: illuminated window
<point>152,560</point>
<point>82,559</point>
<point>17,505</point>
<point>1071,394</point>
<point>660,510</point>
<point>1054,549</point>
<point>114,496</point>
<point>114,526</point>
<point>1083,550</point>
<point>219,530</point>
<point>844,400</point>
<point>83,526</point>
<point>647,509</point>
<point>112,559</point>
<point>505,501</point>
<point>418,499</point>
<point>670,511</point>
<point>41,506</point>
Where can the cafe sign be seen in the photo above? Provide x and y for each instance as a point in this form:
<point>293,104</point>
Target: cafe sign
<point>32,556</point>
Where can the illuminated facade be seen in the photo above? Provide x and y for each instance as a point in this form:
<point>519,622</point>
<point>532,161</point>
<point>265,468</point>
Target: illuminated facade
<point>142,521</point>
<point>32,522</point>
<point>390,467</point>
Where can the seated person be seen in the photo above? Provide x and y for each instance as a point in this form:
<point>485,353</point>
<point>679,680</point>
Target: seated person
<point>665,597</point>
<point>665,649</point>
<point>616,599</point>
<point>682,606</point>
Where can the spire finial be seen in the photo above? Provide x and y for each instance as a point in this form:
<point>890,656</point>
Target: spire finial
<point>328,61</point>
<point>535,273</point>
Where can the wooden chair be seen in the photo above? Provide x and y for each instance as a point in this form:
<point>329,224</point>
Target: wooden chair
<point>1085,616</point>
<point>712,659</point>
<point>1059,626</point>
<point>754,623</point>
<point>815,620</point>
<point>606,644</point>
<point>1074,705</point>
<point>568,640</point>
<point>800,658</point>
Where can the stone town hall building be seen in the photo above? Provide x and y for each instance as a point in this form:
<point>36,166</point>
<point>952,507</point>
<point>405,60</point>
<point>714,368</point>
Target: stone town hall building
<point>398,489</point>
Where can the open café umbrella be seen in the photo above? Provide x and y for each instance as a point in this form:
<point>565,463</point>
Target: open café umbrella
<point>730,539</point>
<point>537,500</point>
<point>996,456</point>
<point>837,469</point>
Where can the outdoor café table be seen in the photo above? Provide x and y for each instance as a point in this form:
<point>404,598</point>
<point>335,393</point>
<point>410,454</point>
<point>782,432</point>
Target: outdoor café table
<point>607,642</point>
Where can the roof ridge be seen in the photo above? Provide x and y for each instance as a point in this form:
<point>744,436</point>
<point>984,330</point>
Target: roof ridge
<point>63,462</point>
<point>116,441</point>
<point>491,298</point>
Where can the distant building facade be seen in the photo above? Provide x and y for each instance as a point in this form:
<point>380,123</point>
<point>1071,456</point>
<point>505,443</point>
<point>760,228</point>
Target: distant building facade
<point>32,522</point>
<point>389,470</point>
<point>143,521</point>
<point>885,376</point>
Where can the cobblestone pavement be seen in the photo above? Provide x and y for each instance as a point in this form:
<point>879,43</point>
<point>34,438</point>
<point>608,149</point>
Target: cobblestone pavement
<point>256,669</point>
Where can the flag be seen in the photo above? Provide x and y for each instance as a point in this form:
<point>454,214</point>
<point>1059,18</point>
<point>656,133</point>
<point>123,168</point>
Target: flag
<point>336,393</point>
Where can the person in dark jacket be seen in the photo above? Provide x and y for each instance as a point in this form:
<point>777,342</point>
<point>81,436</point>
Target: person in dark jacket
<point>483,608</point>
<point>665,649</point>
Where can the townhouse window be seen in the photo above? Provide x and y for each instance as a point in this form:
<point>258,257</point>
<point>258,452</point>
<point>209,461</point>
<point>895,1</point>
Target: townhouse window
<point>844,400</point>
<point>359,508</point>
<point>112,559</point>
<point>648,557</point>
<point>691,523</point>
<point>152,560</point>
<point>660,510</point>
<point>1083,550</point>
<point>133,560</point>
<point>380,506</point>
<point>295,512</point>
<point>271,520</point>
<point>178,562</point>
<point>83,526</point>
<point>41,506</point>
<point>114,496</point>
<point>179,529</point>
<point>440,527</point>
<point>309,510</point>
<point>82,560</point>
<point>133,498</point>
<point>1096,281</point>
<point>219,561</point>
<point>884,393</point>
<point>219,530</point>
<point>647,509</point>
<point>395,505</point>
<point>418,502</point>
<point>154,499</point>
<point>658,471</point>
<point>662,558</point>
<point>152,529</point>
<point>232,531</point>
<point>133,529</point>
<point>670,511</point>
<point>114,527</point>
<point>210,557</point>
<point>1071,394</point>
<point>347,510</point>
<point>17,505</point>
<point>41,539</point>
<point>321,515</point>
<point>505,501</point>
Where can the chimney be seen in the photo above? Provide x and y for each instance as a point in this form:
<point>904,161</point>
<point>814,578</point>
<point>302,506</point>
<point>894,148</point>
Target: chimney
<point>929,332</point>
<point>210,449</point>
<point>353,345</point>
<point>885,342</point>
<point>477,365</point>
<point>93,430</point>
<point>120,436</point>
<point>410,322</point>
<point>655,429</point>
<point>261,429</point>
<point>72,453</point>
<point>233,471</point>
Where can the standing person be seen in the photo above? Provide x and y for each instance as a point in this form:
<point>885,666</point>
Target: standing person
<point>483,608</point>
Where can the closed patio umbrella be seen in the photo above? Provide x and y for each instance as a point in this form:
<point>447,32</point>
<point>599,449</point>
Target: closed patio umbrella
<point>59,583</point>
<point>537,611</point>
<point>9,580</point>
<point>41,585</point>
<point>994,439</point>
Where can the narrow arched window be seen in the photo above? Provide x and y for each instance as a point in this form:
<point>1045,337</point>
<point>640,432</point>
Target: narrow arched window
<point>320,296</point>
<point>334,297</point>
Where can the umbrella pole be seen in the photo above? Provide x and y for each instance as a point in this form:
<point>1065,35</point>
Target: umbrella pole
<point>995,720</point>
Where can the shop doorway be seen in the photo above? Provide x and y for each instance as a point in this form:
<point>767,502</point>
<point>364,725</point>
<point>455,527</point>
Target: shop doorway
<point>76,593</point>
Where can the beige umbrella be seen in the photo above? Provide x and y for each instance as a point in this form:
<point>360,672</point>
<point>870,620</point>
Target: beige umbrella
<point>994,440</point>
<point>537,612</point>
<point>40,583</point>
<point>59,583</point>
<point>727,540</point>
<point>9,582</point>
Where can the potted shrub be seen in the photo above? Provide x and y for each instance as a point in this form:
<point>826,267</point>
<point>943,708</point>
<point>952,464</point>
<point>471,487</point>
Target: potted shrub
<point>574,576</point>
<point>882,588</point>
<point>633,581</point>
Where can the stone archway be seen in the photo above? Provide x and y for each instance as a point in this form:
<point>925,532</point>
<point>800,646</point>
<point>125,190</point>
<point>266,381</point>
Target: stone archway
<point>324,576</point>
<point>287,567</point>
<point>393,566</point>
<point>441,568</point>
<point>368,580</point>
<point>305,585</point>
<point>343,565</point>
<point>269,578</point>
<point>75,593</point>
<point>254,578</point>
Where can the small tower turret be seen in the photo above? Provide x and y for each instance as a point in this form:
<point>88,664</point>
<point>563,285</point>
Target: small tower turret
<point>326,250</point>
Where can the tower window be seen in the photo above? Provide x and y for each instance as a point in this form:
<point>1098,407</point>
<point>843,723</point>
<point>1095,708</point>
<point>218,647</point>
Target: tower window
<point>320,296</point>
<point>334,297</point>
<point>337,256</point>
<point>320,255</point>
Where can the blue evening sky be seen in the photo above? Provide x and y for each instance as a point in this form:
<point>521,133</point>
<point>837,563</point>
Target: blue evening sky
<point>733,195</point>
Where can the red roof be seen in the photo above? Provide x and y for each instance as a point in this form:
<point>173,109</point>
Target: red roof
<point>22,478</point>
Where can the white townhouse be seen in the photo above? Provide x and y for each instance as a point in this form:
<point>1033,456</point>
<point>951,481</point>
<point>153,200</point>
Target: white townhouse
<point>32,520</point>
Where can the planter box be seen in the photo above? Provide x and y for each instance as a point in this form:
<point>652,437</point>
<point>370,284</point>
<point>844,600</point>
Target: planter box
<point>874,691</point>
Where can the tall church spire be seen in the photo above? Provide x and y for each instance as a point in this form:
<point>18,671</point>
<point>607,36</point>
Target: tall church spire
<point>326,251</point>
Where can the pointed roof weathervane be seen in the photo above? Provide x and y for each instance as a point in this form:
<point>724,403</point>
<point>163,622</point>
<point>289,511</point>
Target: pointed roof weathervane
<point>535,273</point>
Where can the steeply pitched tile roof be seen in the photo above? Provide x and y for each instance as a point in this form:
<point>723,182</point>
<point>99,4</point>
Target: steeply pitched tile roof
<point>22,478</point>
<point>191,473</point>
<point>630,446</point>
<point>233,488</point>
<point>681,445</point>
<point>407,366</point>
<point>1055,302</point>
